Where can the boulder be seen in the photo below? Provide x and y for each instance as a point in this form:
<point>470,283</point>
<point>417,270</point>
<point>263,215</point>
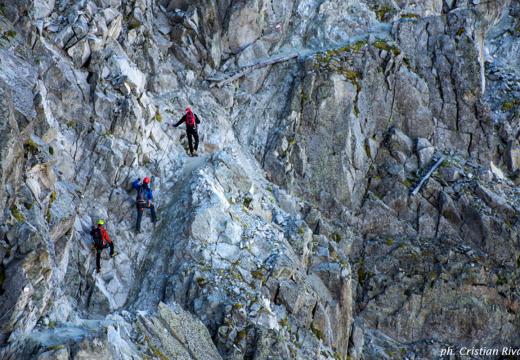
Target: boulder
<point>512,155</point>
<point>425,151</point>
<point>175,334</point>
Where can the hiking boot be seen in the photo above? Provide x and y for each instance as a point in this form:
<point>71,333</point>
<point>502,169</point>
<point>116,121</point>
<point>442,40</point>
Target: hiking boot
<point>114,254</point>
<point>195,153</point>
<point>98,271</point>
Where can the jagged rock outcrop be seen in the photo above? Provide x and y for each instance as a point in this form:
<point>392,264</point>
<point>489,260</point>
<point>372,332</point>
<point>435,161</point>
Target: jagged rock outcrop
<point>294,234</point>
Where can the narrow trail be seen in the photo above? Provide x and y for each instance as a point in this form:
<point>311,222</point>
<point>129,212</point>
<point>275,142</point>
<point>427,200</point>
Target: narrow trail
<point>150,286</point>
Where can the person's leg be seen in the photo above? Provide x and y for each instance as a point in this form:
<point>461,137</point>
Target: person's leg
<point>190,140</point>
<point>154,215</point>
<point>139,217</point>
<point>111,245</point>
<point>196,136</point>
<point>98,260</point>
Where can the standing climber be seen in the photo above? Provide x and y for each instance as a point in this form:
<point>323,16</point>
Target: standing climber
<point>191,120</point>
<point>100,241</point>
<point>143,201</point>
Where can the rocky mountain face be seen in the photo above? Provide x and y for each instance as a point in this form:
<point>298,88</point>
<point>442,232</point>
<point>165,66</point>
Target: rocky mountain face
<point>294,234</point>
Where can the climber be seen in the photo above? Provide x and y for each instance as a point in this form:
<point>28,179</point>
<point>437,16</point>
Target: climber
<point>191,120</point>
<point>100,241</point>
<point>144,200</point>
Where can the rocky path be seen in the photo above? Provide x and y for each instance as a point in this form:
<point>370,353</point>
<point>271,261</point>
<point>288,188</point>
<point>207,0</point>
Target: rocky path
<point>158,257</point>
<point>294,234</point>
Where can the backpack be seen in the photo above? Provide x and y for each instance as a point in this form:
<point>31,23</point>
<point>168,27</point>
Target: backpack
<point>190,119</point>
<point>141,195</point>
<point>98,238</point>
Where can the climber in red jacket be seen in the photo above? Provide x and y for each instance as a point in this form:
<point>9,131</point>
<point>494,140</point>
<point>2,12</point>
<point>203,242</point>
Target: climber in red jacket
<point>191,120</point>
<point>100,241</point>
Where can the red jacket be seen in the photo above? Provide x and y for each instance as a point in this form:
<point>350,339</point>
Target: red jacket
<point>104,234</point>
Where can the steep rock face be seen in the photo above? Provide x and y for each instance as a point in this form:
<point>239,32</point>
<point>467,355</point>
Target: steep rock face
<point>294,233</point>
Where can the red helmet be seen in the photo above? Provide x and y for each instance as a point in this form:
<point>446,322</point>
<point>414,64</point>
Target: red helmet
<point>188,109</point>
<point>146,180</point>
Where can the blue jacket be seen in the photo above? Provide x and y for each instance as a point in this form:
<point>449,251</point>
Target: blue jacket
<point>148,191</point>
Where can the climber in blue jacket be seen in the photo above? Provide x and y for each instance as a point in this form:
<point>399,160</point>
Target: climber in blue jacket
<point>144,200</point>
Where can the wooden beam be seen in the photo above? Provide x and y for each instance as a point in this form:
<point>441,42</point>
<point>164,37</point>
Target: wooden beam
<point>418,187</point>
<point>250,68</point>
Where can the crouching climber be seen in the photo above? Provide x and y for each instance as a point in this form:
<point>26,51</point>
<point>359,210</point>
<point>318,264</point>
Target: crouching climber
<point>100,241</point>
<point>144,200</point>
<point>191,120</point>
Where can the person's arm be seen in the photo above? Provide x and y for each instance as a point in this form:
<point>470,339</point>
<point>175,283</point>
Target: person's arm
<point>105,236</point>
<point>197,120</point>
<point>135,184</point>
<point>149,196</point>
<point>183,119</point>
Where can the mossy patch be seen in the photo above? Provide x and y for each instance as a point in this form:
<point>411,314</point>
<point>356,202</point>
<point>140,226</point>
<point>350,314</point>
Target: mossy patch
<point>48,214</point>
<point>382,12</point>
<point>241,335</point>
<point>157,353</point>
<point>389,242</point>
<point>258,274</point>
<point>410,16</point>
<point>17,214</point>
<point>201,281</point>
<point>158,117</point>
<point>355,78</point>
<point>362,273</point>
<point>31,147</point>
<point>352,76</point>
<point>283,322</point>
<point>247,202</point>
<point>134,25</point>
<point>336,237</point>
<point>327,56</point>
<point>352,48</point>
<point>337,61</point>
<point>408,182</point>
<point>460,31</point>
<point>510,105</point>
<point>55,347</point>
<point>383,45</point>
<point>10,34</point>
<point>501,280</point>
<point>317,332</point>
<point>303,98</point>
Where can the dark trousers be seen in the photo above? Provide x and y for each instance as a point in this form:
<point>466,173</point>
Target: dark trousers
<point>192,135</point>
<point>98,254</point>
<point>140,210</point>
